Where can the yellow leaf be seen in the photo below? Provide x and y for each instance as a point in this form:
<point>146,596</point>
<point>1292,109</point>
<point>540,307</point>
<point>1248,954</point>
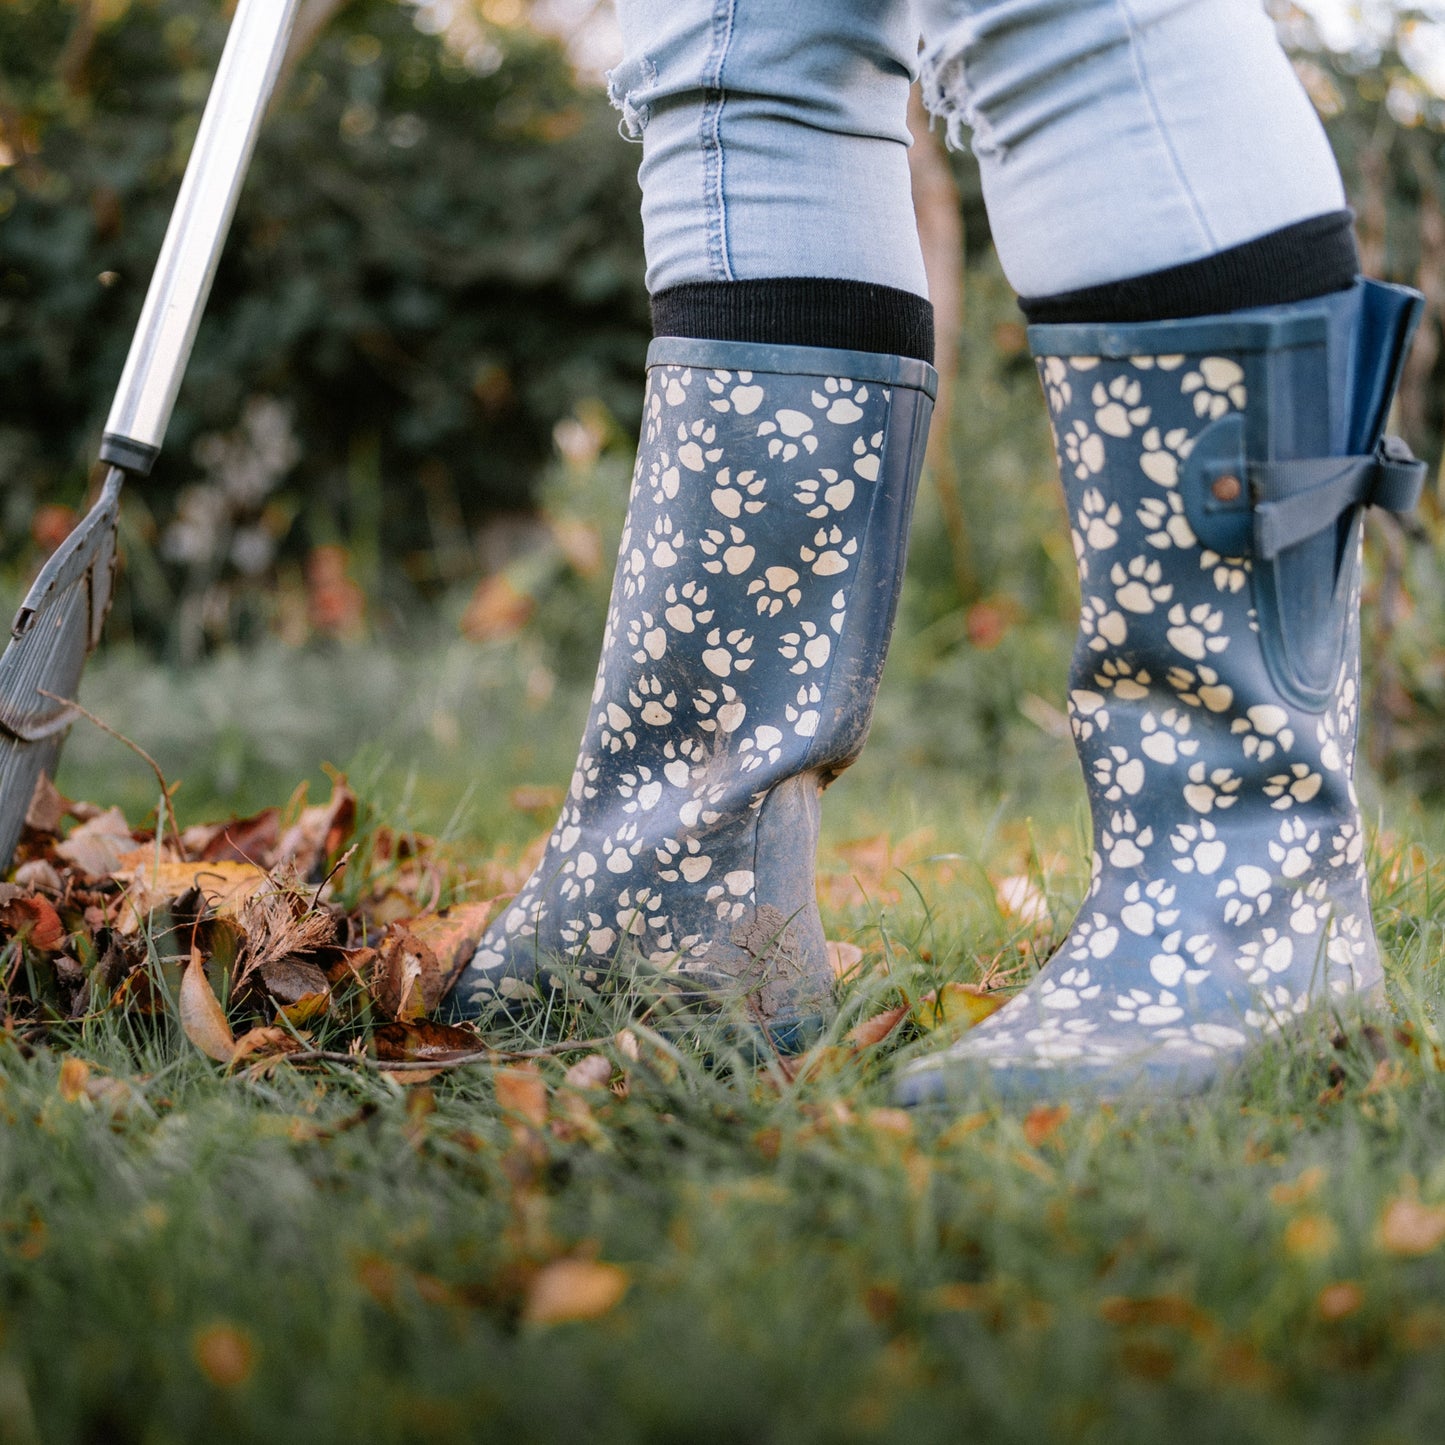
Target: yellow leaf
<point>74,1073</point>
<point>224,885</point>
<point>875,1030</point>
<point>574,1289</point>
<point>1408,1227</point>
<point>963,1004</point>
<point>844,958</point>
<point>1310,1236</point>
<point>202,1017</point>
<point>1298,1190</point>
<point>522,1091</point>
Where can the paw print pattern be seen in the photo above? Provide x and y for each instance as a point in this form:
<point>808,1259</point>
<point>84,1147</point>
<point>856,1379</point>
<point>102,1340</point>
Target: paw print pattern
<point>751,498</point>
<point>1228,886</point>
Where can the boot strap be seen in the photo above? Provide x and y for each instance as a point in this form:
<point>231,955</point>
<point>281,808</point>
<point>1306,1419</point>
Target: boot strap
<point>1312,494</point>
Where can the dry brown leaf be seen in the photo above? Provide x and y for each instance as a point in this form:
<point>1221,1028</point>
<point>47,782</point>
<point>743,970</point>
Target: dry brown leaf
<point>74,1075</point>
<point>452,935</point>
<point>34,917</point>
<point>47,807</point>
<point>202,1017</point>
<point>957,1004</point>
<point>292,980</point>
<point>224,1354</point>
<point>522,1091</point>
<point>39,873</point>
<point>321,832</point>
<point>844,958</point>
<point>423,1041</point>
<point>224,886</point>
<point>498,609</point>
<point>574,1289</point>
<point>263,1042</point>
<point>875,1030</point>
<point>241,840</point>
<point>97,845</point>
<point>592,1072</point>
<point>407,981</point>
<point>1408,1227</point>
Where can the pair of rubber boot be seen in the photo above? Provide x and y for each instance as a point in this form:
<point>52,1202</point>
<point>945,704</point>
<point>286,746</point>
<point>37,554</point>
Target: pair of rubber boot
<point>1216,471</point>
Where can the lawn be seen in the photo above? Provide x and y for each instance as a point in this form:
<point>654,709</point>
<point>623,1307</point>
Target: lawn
<point>658,1237</point>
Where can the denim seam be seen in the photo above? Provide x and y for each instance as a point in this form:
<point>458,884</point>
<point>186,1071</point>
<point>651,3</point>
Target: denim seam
<point>710,137</point>
<point>1141,71</point>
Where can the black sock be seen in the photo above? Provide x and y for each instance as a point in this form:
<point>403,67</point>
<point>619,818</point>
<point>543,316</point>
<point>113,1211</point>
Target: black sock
<point>1310,258</point>
<point>799,311</point>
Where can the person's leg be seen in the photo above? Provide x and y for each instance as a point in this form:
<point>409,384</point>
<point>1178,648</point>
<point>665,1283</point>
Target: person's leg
<point>1145,162</point>
<point>789,392</point>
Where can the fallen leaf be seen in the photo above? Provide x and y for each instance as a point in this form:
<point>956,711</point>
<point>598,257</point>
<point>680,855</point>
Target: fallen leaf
<point>1339,1301</point>
<point>423,1041</point>
<point>452,935</point>
<point>35,918</point>
<point>522,1091</point>
<point>876,1029</point>
<point>264,1042</point>
<point>964,1004</point>
<point>39,873</point>
<point>1170,1311</point>
<point>1310,1236</point>
<point>242,840</point>
<point>321,832</point>
<point>592,1072</point>
<point>292,980</point>
<point>47,807</point>
<point>406,981</point>
<point>536,798</point>
<point>202,1017</point>
<point>890,1121</point>
<point>574,1289</point>
<point>844,958</point>
<point>74,1074</point>
<point>1408,1227</point>
<point>97,845</point>
<point>223,886</point>
<point>225,1355</point>
<point>1020,897</point>
<point>1296,1191</point>
<point>1043,1121</point>
<point>498,609</point>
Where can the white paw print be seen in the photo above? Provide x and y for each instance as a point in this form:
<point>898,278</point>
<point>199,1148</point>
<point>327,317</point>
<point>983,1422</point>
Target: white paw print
<point>803,712</point>
<point>1138,1006</point>
<point>1199,846</point>
<point>1294,853</point>
<point>724,655</point>
<point>1103,626</point>
<point>1347,846</point>
<point>1123,841</point>
<point>868,457</point>
<point>733,497</point>
<point>1073,987</point>
<point>836,493</point>
<point>1211,788</point>
<point>738,395</point>
<point>1120,677</point>
<point>662,542</point>
<point>1117,406</point>
<point>1056,383</point>
<point>1098,520</point>
<point>729,551</point>
<point>1265,730</point>
<point>1271,953</point>
<point>1087,713</point>
<point>1163,451</point>
<point>1165,523</point>
<point>765,743</point>
<point>786,432</point>
<point>1166,737</point>
<point>840,400</point>
<point>1195,631</point>
<point>1229,573</point>
<point>653,700</point>
<point>695,450</point>
<point>615,728</point>
<point>1148,906</point>
<point>1217,1038</point>
<point>1299,785</point>
<point>721,711</point>
<point>1083,450</point>
<point>1181,962</point>
<point>663,478</point>
<point>807,648</point>
<point>1201,687</point>
<point>1216,386</point>
<point>1309,907</point>
<point>1347,707</point>
<point>1247,893</point>
<point>776,588</point>
<point>731,897</point>
<point>1348,942</point>
<point>648,640</point>
<point>1118,774</point>
<point>1276,1006</point>
<point>1331,758</point>
<point>829,553</point>
<point>1139,585</point>
<point>686,607</point>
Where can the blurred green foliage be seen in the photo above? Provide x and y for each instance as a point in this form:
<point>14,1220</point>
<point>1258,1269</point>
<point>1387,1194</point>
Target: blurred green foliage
<point>436,256</point>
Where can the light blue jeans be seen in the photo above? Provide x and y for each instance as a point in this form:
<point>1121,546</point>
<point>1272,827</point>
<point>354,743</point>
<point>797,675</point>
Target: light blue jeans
<point>1115,137</point>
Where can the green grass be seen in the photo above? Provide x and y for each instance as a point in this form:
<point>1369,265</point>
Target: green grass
<point>331,1256</point>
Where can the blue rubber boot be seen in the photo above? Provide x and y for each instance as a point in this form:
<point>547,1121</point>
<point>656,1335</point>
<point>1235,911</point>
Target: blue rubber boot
<point>1216,472</point>
<point>751,610</point>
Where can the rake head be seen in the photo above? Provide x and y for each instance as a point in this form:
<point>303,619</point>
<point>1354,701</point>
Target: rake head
<point>55,630</point>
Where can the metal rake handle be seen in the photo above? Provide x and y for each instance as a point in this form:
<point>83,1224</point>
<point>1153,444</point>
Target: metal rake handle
<point>182,280</point>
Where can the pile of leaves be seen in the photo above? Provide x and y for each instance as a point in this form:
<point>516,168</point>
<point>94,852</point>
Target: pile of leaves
<point>255,933</point>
